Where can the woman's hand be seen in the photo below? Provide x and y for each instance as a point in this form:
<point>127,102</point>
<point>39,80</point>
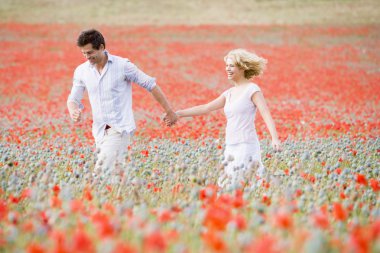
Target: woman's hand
<point>276,144</point>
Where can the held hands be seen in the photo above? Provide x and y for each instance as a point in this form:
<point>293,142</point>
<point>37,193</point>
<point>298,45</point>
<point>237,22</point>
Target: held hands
<point>170,118</point>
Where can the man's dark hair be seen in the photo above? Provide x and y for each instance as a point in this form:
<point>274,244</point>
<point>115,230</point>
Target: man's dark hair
<point>92,36</point>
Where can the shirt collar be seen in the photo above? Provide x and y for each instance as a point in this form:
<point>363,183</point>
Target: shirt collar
<point>110,56</point>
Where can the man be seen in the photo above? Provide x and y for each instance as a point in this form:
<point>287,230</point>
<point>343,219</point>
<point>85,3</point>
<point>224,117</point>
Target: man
<point>107,79</point>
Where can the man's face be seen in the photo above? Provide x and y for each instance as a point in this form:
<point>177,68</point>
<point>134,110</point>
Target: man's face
<point>94,56</point>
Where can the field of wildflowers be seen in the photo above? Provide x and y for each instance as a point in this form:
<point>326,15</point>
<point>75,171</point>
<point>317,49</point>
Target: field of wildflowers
<point>321,193</point>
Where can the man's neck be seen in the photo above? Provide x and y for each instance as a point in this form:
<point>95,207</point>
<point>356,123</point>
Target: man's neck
<point>102,63</point>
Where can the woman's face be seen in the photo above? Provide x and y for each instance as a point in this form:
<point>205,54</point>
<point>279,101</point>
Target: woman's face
<point>234,73</point>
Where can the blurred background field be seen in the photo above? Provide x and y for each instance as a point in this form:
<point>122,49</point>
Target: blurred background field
<point>314,49</point>
<point>321,194</point>
<point>196,12</point>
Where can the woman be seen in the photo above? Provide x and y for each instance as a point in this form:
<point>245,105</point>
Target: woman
<point>242,151</point>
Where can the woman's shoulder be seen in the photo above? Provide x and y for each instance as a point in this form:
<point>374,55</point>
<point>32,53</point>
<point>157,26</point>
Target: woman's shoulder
<point>253,87</point>
<point>224,93</point>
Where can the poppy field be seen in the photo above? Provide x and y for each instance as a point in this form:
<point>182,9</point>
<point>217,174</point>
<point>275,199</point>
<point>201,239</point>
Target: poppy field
<point>321,193</point>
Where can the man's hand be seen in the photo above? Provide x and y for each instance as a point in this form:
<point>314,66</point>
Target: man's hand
<point>76,115</point>
<point>74,111</point>
<point>170,118</point>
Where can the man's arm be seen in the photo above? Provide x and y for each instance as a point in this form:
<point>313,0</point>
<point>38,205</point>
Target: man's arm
<point>74,104</point>
<point>147,82</point>
<point>161,99</point>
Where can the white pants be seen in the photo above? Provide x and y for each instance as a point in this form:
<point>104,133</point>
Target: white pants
<point>113,149</point>
<point>242,161</point>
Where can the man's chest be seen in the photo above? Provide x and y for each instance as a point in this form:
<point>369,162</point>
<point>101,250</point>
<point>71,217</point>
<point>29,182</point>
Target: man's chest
<point>108,81</point>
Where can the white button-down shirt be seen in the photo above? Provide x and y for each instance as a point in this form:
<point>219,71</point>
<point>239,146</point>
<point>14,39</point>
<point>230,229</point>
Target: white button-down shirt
<point>110,93</point>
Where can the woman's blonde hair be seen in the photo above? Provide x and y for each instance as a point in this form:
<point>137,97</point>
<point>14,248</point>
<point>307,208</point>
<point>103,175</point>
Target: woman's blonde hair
<point>252,64</point>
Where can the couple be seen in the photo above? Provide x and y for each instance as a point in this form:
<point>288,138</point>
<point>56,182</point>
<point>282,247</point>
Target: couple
<point>107,79</point>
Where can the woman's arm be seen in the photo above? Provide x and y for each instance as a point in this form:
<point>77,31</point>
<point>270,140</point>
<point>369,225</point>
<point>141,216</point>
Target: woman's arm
<point>259,100</point>
<point>216,104</point>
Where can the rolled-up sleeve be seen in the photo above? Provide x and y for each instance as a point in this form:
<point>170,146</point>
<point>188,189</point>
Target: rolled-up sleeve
<point>77,91</point>
<point>137,76</point>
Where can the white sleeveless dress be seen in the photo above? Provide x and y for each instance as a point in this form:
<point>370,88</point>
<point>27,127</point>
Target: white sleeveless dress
<point>242,153</point>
